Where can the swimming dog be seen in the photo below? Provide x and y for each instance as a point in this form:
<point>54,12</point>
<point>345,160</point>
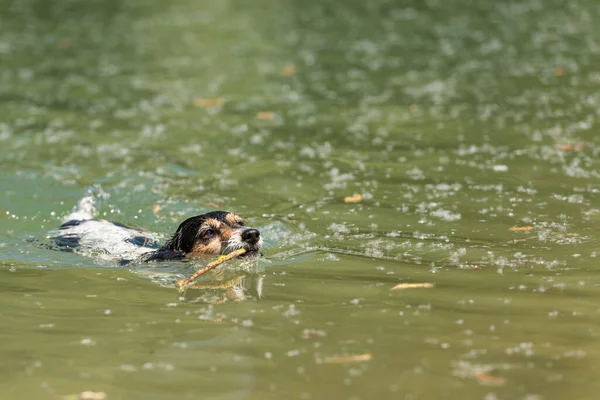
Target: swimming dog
<point>216,232</point>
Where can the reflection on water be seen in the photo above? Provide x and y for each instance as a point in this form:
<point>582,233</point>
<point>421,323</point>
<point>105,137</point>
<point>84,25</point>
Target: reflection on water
<point>468,130</point>
<point>239,288</point>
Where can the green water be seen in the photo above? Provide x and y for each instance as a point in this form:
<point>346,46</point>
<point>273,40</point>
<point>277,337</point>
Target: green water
<point>455,120</point>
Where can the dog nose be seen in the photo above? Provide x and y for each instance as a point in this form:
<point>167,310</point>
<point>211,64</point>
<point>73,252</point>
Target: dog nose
<point>250,236</point>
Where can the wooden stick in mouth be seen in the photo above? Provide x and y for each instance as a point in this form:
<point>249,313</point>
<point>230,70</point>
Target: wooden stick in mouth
<point>210,266</point>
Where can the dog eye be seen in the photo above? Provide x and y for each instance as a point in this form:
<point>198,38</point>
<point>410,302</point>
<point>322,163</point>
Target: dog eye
<point>208,233</point>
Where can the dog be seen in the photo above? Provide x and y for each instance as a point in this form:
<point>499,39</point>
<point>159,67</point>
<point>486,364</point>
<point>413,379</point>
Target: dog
<point>216,232</point>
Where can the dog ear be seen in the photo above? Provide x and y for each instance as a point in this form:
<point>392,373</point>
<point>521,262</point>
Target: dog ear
<point>181,243</point>
<point>185,237</point>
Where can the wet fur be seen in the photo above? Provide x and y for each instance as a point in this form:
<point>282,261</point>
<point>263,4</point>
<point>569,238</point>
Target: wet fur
<point>191,238</point>
<point>216,232</point>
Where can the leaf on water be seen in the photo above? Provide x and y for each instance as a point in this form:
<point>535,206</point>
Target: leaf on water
<point>570,147</point>
<point>265,115</point>
<point>348,359</point>
<point>521,228</point>
<point>288,70</point>
<point>156,209</point>
<point>559,71</point>
<point>355,198</point>
<point>489,380</point>
<point>64,43</point>
<point>421,285</point>
<point>87,395</point>
<point>313,333</point>
<point>209,102</point>
<point>214,205</point>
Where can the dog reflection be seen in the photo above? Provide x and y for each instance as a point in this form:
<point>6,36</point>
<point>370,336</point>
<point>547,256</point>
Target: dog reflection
<point>226,286</point>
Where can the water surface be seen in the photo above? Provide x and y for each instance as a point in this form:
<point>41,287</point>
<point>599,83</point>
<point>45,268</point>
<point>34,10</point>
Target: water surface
<point>456,121</point>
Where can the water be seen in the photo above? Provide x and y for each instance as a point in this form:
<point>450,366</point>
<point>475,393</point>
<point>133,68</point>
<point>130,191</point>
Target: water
<point>455,121</point>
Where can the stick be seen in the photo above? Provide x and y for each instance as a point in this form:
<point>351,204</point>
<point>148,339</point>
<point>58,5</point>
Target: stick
<point>210,266</point>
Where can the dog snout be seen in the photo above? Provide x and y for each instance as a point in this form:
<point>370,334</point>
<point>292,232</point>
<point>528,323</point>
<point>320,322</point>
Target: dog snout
<point>251,236</point>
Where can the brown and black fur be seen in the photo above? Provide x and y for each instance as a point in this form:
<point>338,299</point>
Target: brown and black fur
<point>211,233</point>
<point>215,232</point>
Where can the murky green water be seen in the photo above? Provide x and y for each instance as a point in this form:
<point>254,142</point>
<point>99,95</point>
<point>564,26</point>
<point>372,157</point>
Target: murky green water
<point>455,120</point>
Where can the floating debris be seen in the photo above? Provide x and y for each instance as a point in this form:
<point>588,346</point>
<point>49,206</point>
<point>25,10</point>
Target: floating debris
<point>355,198</point>
<point>347,359</point>
<point>156,209</point>
<point>313,333</point>
<point>265,115</point>
<point>570,147</point>
<point>288,70</point>
<point>87,395</point>
<point>208,102</point>
<point>521,228</point>
<point>489,380</point>
<point>64,43</point>
<point>422,285</point>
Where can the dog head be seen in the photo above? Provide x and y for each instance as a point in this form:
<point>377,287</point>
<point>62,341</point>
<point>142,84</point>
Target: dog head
<point>216,232</point>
